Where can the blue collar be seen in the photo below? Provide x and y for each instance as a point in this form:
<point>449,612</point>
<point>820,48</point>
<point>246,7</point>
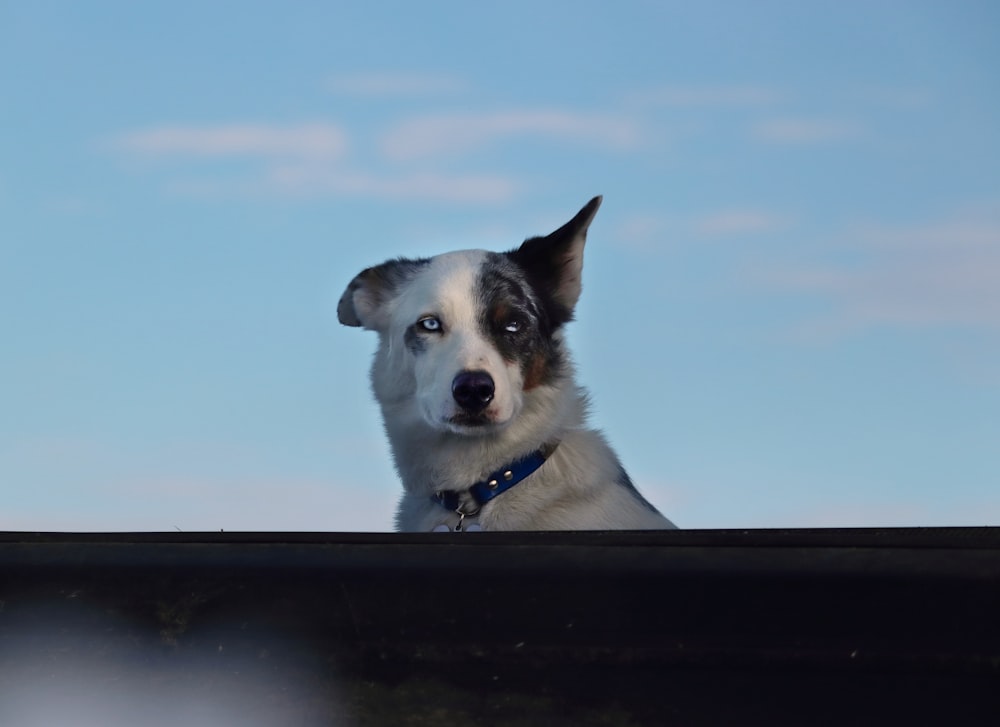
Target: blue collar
<point>470,502</point>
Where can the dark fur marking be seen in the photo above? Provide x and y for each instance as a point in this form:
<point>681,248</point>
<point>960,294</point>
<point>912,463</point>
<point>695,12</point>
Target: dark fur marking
<point>391,274</point>
<point>535,372</point>
<point>469,420</point>
<point>415,343</point>
<point>542,270</point>
<point>505,295</point>
<point>545,262</point>
<point>379,283</point>
<point>625,481</point>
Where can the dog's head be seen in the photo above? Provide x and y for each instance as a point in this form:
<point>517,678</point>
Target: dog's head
<point>465,336</point>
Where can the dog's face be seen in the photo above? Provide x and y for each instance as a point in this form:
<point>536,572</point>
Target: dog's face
<point>467,336</point>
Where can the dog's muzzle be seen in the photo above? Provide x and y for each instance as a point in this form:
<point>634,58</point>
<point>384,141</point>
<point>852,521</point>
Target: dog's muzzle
<point>473,391</point>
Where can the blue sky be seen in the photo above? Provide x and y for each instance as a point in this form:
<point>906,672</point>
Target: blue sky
<point>791,308</point>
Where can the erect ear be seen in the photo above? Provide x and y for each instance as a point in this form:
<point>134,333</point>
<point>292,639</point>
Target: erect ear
<point>554,263</point>
<point>364,301</point>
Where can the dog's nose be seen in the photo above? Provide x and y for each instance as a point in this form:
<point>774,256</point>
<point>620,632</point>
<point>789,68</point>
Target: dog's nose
<point>473,390</point>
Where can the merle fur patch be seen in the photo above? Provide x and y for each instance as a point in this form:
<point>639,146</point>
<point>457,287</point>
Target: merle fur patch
<point>377,285</point>
<point>514,317</point>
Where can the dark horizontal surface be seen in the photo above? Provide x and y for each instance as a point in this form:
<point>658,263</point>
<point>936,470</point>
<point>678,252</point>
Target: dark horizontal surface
<point>604,628</point>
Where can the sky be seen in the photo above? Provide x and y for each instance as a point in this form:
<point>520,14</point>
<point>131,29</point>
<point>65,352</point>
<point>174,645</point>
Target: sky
<point>791,307</point>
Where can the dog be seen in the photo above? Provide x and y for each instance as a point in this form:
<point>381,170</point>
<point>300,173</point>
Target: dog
<point>485,420</point>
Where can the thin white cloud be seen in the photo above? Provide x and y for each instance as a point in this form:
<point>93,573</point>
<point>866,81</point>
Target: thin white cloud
<point>299,161</point>
<point>739,222</point>
<point>307,160</point>
<point>802,131</point>
<point>897,98</point>
<point>315,140</point>
<point>395,84</point>
<point>312,180</point>
<point>940,274</point>
<point>656,232</point>
<point>644,232</point>
<point>692,97</point>
<point>449,134</point>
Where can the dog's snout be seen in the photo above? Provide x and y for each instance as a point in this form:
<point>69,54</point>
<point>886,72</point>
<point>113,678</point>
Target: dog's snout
<point>473,390</point>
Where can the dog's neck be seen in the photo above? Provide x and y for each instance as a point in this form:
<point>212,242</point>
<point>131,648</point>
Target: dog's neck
<point>454,462</point>
<point>469,501</point>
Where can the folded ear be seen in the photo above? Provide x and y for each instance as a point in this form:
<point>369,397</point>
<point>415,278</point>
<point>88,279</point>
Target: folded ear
<point>554,263</point>
<point>364,303</point>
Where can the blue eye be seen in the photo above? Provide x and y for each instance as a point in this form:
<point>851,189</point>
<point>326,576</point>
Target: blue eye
<point>430,323</point>
<point>512,326</point>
